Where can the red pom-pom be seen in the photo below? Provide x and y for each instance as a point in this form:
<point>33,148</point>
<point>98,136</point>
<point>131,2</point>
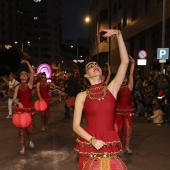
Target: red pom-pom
<point>40,105</point>
<point>21,119</point>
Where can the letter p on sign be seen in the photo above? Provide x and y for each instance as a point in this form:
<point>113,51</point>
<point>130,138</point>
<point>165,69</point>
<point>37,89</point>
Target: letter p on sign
<point>162,53</point>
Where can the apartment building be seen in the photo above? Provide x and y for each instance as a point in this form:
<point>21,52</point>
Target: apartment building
<point>34,26</point>
<point>141,23</point>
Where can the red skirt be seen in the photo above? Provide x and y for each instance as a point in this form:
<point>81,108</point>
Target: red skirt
<point>86,163</point>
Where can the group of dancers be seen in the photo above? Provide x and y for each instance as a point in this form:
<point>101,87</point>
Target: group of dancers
<point>104,106</point>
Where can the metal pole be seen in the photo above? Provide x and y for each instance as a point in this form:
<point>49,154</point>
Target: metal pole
<point>97,40</point>
<point>22,47</point>
<point>163,29</point>
<point>77,53</point>
<point>110,9</point>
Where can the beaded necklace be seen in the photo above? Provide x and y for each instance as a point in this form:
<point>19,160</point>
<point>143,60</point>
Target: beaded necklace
<point>97,93</point>
<point>123,87</point>
<point>23,86</point>
<point>43,84</point>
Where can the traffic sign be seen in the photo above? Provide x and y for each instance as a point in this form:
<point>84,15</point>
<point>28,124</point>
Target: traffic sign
<point>162,53</point>
<point>142,54</point>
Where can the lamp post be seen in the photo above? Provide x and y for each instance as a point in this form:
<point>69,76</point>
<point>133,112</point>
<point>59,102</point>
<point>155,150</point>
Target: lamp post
<point>22,45</point>
<point>77,51</point>
<point>87,20</point>
<point>163,29</point>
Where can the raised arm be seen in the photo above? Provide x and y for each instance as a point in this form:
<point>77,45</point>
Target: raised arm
<point>109,74</point>
<point>115,84</point>
<point>31,77</point>
<point>132,67</point>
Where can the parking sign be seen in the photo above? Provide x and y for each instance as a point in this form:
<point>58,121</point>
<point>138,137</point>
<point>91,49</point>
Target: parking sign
<point>162,53</point>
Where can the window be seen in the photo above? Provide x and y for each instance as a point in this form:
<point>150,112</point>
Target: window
<point>103,39</point>
<point>134,11</point>
<point>142,43</point>
<point>119,26</point>
<point>147,5</point>
<point>124,19</point>
<point>132,48</point>
<point>115,8</point>
<point>119,4</point>
<point>103,14</point>
<point>159,1</point>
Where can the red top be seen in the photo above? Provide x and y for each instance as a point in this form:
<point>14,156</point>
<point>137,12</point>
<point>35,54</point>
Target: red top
<point>124,103</point>
<point>44,91</point>
<point>100,124</point>
<point>24,95</point>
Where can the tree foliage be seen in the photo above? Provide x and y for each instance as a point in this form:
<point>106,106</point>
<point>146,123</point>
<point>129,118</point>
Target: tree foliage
<point>10,60</point>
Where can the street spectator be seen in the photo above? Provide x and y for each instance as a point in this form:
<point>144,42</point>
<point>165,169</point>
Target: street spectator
<point>12,84</point>
<point>167,104</point>
<point>140,110</point>
<point>157,116</point>
<point>72,89</point>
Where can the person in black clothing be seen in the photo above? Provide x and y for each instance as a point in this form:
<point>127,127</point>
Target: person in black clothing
<point>72,89</point>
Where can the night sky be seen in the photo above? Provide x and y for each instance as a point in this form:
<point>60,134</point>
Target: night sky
<point>73,14</point>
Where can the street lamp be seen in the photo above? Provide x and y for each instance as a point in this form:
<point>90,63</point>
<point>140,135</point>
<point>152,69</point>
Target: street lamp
<point>87,20</point>
<point>77,51</point>
<point>22,45</point>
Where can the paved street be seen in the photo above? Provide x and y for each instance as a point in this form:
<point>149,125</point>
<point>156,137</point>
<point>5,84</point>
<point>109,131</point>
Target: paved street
<point>54,147</point>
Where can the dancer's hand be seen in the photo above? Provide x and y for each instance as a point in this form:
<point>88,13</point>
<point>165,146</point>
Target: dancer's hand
<point>98,144</point>
<point>110,32</point>
<point>131,59</point>
<point>20,105</point>
<point>24,61</point>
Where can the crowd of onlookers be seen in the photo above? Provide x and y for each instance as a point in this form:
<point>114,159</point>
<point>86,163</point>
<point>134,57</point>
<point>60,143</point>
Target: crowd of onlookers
<point>3,86</point>
<point>151,95</point>
<point>151,98</point>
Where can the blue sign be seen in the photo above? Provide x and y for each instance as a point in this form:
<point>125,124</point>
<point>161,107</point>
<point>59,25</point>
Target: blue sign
<point>142,54</point>
<point>162,53</point>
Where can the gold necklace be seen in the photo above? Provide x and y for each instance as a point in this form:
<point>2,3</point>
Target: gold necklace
<point>43,84</point>
<point>23,87</point>
<point>97,93</point>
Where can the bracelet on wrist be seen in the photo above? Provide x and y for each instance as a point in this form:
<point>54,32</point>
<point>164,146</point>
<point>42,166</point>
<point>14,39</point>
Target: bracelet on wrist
<point>91,140</point>
<point>117,35</point>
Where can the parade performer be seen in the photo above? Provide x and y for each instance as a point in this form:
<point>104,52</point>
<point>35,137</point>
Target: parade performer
<point>124,109</point>
<point>99,144</point>
<point>23,92</point>
<point>43,91</point>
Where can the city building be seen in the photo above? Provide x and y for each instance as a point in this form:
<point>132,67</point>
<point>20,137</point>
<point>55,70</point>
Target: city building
<point>34,26</point>
<point>145,25</point>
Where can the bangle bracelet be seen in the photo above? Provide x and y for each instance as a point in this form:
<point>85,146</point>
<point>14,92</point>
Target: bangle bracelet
<point>117,35</point>
<point>91,140</point>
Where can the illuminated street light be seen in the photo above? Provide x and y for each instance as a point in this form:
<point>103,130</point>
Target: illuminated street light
<point>22,45</point>
<point>87,19</point>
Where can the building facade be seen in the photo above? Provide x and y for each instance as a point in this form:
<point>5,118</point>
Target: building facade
<point>34,26</point>
<point>141,23</point>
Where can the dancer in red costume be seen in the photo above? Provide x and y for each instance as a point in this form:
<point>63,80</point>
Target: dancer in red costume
<point>23,91</point>
<point>124,109</point>
<point>43,91</point>
<point>98,143</point>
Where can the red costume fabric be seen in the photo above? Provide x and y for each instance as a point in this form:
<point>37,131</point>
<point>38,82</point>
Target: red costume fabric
<point>100,124</point>
<point>124,114</point>
<point>24,95</point>
<point>45,94</point>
